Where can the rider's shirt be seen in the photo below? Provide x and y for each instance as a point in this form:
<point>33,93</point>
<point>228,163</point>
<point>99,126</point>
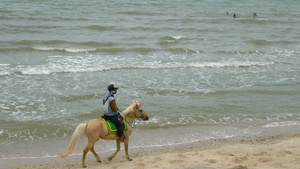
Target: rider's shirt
<point>107,107</point>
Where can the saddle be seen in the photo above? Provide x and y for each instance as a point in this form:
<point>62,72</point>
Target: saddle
<point>112,127</point>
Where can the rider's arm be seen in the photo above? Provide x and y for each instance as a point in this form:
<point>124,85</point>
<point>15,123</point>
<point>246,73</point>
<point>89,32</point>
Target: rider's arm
<point>113,105</point>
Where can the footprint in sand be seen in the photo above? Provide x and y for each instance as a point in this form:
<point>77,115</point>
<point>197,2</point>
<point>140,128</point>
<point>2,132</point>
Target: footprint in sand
<point>114,167</point>
<point>175,161</point>
<point>263,153</point>
<point>158,158</point>
<point>239,159</point>
<point>264,160</point>
<point>212,161</point>
<point>181,156</point>
<point>140,165</point>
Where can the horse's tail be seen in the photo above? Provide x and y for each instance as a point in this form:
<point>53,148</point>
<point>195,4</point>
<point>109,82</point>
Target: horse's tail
<point>75,137</point>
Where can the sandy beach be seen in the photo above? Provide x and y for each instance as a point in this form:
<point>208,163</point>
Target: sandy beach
<point>266,153</point>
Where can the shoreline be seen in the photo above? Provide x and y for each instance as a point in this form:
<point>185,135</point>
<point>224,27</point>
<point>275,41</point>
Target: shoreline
<point>262,152</point>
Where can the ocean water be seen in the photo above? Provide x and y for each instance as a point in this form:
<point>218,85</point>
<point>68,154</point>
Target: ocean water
<point>199,73</point>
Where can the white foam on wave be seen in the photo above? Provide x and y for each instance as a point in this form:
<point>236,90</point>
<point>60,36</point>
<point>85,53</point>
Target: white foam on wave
<point>4,69</point>
<point>71,50</point>
<point>74,67</point>
<point>49,70</point>
<point>161,65</point>
<point>173,38</point>
<point>1,64</point>
<point>229,64</point>
<point>36,71</point>
<point>3,73</point>
<point>282,124</point>
<point>262,19</point>
<point>30,157</point>
<point>177,37</point>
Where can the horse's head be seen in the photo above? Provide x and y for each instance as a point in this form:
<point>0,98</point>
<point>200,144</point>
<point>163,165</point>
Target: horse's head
<point>139,112</point>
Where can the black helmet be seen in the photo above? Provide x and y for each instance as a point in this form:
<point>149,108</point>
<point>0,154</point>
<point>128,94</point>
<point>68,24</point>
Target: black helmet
<point>112,87</point>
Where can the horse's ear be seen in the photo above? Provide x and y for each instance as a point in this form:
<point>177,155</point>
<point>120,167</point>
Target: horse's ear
<point>135,103</point>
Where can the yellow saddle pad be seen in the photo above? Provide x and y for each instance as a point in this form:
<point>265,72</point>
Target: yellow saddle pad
<point>112,127</point>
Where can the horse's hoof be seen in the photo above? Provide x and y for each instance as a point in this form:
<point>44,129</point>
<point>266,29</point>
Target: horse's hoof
<point>99,161</point>
<point>109,158</point>
<point>130,159</point>
<point>84,166</point>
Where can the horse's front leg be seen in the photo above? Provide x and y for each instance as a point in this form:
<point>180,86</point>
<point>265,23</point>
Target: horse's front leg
<point>126,141</point>
<point>118,149</point>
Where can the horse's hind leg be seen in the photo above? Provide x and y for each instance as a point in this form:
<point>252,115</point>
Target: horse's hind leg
<point>118,149</point>
<point>90,146</point>
<point>85,151</point>
<point>96,155</point>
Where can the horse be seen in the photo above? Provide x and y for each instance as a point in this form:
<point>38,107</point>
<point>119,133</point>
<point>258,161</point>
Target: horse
<point>97,128</point>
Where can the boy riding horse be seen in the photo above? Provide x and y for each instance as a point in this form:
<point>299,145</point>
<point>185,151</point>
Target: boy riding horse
<point>111,110</point>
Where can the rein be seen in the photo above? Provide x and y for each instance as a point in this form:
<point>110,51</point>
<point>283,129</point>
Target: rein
<point>134,125</point>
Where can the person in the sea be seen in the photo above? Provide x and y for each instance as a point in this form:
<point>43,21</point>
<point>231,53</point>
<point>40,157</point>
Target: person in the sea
<point>234,15</point>
<point>254,14</point>
<point>110,110</point>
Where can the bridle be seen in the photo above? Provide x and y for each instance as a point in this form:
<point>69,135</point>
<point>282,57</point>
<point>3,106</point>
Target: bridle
<point>136,110</point>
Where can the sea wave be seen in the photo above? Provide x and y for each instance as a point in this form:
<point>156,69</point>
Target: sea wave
<point>229,64</point>
<point>49,69</point>
<point>178,37</point>
<point>4,69</point>
<point>37,42</point>
<point>31,49</point>
<point>44,70</point>
<point>101,27</point>
<point>166,40</point>
<point>71,50</point>
<point>269,42</point>
<point>137,13</point>
<point>282,124</point>
<point>53,43</point>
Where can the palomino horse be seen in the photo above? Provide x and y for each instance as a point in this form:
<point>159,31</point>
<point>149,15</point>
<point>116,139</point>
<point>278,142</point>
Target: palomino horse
<point>96,128</point>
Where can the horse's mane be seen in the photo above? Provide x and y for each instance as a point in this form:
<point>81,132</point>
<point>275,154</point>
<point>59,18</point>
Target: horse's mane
<point>127,110</point>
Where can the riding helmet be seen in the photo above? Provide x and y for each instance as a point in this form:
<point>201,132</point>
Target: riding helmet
<point>112,87</point>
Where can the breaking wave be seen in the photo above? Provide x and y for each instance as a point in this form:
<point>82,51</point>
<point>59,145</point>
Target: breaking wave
<point>71,50</point>
<point>62,68</point>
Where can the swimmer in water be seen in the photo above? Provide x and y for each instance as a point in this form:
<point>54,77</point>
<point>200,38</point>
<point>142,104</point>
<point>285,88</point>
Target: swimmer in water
<point>234,16</point>
<point>254,14</point>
